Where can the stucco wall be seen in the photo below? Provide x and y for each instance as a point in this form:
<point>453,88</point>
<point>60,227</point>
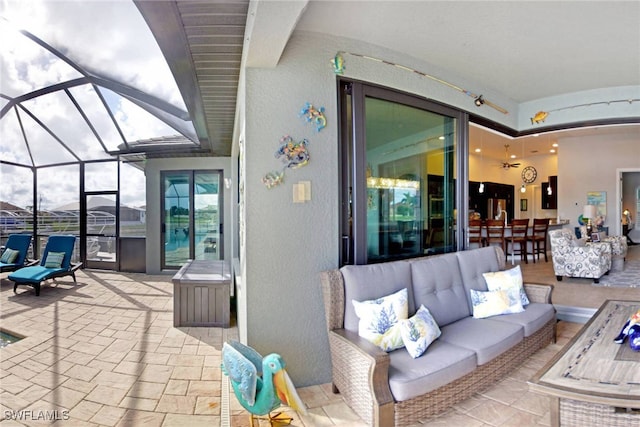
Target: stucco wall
<point>153,168</point>
<point>591,164</point>
<point>288,244</point>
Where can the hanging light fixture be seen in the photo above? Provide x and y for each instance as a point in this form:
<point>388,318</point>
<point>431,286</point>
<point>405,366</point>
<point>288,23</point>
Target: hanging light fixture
<point>481,187</point>
<point>523,188</point>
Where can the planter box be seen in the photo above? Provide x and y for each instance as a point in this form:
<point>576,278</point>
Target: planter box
<point>202,294</point>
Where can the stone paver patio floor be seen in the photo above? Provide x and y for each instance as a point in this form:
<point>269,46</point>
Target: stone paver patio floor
<point>104,352</point>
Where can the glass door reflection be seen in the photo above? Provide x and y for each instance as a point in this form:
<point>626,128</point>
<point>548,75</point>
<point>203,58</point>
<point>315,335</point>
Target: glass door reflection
<point>176,224</point>
<point>192,224</point>
<point>206,215</point>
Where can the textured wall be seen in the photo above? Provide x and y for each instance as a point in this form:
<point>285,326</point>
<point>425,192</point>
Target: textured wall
<point>591,164</point>
<point>288,244</point>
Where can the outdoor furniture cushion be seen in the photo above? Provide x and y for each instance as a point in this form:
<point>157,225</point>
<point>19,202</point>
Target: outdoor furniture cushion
<point>34,274</point>
<point>441,364</point>
<point>532,319</point>
<point>16,242</point>
<point>438,286</point>
<point>473,264</point>
<point>488,338</point>
<point>368,282</point>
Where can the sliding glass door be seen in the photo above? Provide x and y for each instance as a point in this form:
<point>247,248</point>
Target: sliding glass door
<point>192,224</point>
<point>400,170</point>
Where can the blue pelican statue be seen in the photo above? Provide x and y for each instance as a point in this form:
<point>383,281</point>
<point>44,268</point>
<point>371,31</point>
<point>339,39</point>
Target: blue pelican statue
<point>260,384</point>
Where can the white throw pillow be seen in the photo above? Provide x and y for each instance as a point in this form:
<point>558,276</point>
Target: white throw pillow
<point>379,319</point>
<point>419,332</point>
<point>493,303</point>
<point>500,280</point>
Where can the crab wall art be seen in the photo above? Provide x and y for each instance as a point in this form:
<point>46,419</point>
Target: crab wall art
<point>293,154</point>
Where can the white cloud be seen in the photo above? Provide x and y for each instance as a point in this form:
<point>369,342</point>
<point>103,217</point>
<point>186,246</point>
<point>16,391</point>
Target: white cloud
<point>109,37</point>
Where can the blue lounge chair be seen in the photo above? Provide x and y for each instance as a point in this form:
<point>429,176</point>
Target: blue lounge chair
<point>56,262</point>
<point>14,255</point>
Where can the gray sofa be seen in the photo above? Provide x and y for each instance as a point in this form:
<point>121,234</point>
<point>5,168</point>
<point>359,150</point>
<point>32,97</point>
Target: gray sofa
<point>393,388</point>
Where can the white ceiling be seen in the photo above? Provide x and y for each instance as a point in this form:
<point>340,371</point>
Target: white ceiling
<point>525,50</point>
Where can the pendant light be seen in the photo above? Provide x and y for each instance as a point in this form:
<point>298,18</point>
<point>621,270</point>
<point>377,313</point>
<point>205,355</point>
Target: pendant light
<point>523,187</point>
<point>481,187</point>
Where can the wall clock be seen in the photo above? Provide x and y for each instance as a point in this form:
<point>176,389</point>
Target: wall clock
<point>529,174</point>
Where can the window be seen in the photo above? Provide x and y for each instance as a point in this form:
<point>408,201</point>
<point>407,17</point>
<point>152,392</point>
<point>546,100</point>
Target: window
<point>401,164</point>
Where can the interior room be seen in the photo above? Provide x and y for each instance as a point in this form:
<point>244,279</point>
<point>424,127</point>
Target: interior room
<point>278,140</point>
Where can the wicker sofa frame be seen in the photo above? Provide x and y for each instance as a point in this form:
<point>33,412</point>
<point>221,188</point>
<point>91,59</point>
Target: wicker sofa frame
<point>360,369</point>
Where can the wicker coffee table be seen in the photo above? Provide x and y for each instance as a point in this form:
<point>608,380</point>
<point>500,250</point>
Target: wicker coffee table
<point>594,381</point>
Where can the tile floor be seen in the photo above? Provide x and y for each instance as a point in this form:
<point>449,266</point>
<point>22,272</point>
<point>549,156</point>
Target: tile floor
<point>104,352</point>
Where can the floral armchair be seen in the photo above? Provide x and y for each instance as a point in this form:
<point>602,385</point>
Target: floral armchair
<point>618,251</point>
<point>573,258</point>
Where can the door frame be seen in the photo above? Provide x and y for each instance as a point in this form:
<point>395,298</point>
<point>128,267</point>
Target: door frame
<point>619,175</point>
<point>192,244</point>
<point>101,264</point>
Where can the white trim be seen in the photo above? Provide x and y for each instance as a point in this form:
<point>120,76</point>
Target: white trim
<point>574,314</point>
<point>619,208</point>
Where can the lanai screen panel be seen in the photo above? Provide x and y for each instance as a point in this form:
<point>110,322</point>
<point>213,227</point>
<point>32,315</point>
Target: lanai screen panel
<point>93,77</point>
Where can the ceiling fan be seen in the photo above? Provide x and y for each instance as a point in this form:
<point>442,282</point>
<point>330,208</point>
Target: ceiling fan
<point>506,164</point>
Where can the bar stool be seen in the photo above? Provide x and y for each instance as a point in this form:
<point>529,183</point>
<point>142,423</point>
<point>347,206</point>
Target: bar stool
<point>495,232</point>
<point>519,235</point>
<point>475,232</point>
<point>538,236</point>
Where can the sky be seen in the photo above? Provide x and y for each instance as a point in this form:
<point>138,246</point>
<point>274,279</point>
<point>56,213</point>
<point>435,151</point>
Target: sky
<point>106,38</point>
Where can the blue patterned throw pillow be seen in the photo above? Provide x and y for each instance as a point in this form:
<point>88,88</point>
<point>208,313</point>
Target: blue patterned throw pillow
<point>379,319</point>
<point>419,332</point>
<point>493,303</point>
<point>501,280</point>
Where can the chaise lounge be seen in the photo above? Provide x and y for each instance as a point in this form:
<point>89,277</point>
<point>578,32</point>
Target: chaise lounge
<point>56,262</point>
<point>14,255</point>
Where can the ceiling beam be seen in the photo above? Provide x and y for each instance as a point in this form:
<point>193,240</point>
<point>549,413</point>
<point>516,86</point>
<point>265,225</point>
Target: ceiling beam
<point>269,26</point>
<point>165,23</point>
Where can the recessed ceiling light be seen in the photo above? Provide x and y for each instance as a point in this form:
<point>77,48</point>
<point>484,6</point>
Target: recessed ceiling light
<point>552,150</point>
<point>478,150</point>
<point>555,144</point>
<point>513,156</point>
<point>441,138</point>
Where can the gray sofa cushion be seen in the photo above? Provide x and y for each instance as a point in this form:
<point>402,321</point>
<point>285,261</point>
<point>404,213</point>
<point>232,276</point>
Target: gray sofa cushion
<point>367,282</point>
<point>437,284</point>
<point>472,264</point>
<point>487,337</point>
<point>439,365</point>
<point>534,317</point>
